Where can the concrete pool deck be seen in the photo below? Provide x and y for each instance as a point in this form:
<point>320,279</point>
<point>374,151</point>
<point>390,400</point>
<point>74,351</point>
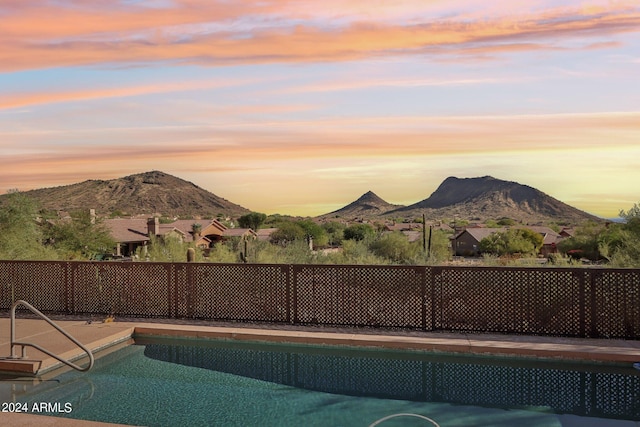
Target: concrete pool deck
<point>98,335</point>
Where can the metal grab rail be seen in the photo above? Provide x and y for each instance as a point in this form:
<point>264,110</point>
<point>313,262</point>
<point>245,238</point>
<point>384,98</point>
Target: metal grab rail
<point>36,346</point>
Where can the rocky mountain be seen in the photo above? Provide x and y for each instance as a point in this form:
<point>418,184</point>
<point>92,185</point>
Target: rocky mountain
<point>490,198</point>
<point>474,199</point>
<point>367,206</point>
<point>146,193</point>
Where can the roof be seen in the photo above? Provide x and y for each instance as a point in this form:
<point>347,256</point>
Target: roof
<point>137,230</point>
<point>479,233</point>
<point>404,226</point>
<point>127,230</point>
<point>238,232</point>
<point>549,236</point>
<point>265,233</point>
<point>440,226</point>
<point>209,226</point>
<point>567,232</point>
<point>413,235</point>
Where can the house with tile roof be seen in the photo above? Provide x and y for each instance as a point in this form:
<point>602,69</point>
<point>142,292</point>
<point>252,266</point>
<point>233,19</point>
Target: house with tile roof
<point>240,233</point>
<point>467,241</point>
<point>264,234</point>
<point>129,234</point>
<point>132,233</point>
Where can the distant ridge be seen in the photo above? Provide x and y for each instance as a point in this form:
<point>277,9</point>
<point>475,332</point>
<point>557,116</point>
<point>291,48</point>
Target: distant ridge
<point>368,205</point>
<point>155,192</point>
<point>472,199</point>
<point>140,194</point>
<point>490,198</point>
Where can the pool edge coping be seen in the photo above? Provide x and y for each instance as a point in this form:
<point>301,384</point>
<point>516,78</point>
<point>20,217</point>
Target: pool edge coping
<point>574,349</point>
<point>580,350</point>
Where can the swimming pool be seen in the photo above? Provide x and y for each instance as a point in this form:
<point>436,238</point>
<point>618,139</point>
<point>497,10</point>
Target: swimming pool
<point>171,382</point>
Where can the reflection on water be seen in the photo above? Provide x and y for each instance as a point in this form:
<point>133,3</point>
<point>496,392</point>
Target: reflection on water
<point>208,382</point>
<point>560,387</point>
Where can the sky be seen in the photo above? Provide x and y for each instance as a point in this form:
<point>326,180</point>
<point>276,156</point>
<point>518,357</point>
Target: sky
<point>299,106</point>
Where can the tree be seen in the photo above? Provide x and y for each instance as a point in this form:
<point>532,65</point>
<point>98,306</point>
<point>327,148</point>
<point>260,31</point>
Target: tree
<point>287,232</point>
<point>252,220</point>
<point>83,236</point>
<point>619,243</point>
<point>634,212</point>
<point>335,232</point>
<point>21,234</point>
<point>315,231</point>
<point>585,243</point>
<point>512,241</point>
<point>359,232</point>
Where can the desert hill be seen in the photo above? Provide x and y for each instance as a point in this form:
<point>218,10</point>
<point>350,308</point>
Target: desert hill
<point>144,193</point>
<point>474,199</point>
<point>367,206</point>
<point>490,198</point>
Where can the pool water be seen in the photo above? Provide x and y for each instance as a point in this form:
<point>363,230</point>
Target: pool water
<point>229,383</point>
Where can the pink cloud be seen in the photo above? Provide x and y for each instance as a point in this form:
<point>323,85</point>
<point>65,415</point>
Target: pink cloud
<point>23,99</point>
<point>85,36</point>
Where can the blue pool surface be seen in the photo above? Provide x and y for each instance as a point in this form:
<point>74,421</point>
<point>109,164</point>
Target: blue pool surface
<point>161,382</point>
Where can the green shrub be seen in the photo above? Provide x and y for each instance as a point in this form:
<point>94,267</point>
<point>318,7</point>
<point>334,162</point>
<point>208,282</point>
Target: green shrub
<point>396,247</point>
<point>287,232</point>
<point>359,232</point>
<point>513,241</point>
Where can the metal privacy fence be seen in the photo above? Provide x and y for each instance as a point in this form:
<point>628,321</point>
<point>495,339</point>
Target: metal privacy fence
<point>579,302</point>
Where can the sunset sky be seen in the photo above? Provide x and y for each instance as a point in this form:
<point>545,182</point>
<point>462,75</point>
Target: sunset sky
<point>299,106</point>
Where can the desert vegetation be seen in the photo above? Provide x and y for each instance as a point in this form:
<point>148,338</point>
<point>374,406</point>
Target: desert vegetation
<point>513,241</point>
<point>615,244</point>
<point>29,233</point>
<point>26,232</point>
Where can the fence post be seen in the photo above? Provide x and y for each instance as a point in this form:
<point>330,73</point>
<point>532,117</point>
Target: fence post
<point>172,292</point>
<point>583,302</point>
<point>590,279</point>
<point>423,297</point>
<point>292,285</point>
<point>68,289</point>
<point>190,290</point>
<point>432,293</point>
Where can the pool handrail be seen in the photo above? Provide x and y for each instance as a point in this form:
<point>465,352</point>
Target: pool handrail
<point>36,346</point>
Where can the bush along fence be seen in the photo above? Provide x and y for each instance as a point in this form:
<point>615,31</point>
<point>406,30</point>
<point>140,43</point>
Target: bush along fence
<point>576,302</point>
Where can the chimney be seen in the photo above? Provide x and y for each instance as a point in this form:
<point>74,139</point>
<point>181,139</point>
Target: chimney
<point>153,226</point>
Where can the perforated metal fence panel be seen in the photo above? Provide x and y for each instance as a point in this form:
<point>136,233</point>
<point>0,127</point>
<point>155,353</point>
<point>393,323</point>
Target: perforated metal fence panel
<point>129,289</point>
<point>616,303</point>
<point>238,292</point>
<point>539,301</point>
<point>580,302</point>
<point>41,283</point>
<point>386,296</point>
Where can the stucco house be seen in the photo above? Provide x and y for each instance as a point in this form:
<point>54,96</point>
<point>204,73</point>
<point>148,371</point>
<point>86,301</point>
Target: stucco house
<point>467,241</point>
<point>129,234</point>
<point>132,233</point>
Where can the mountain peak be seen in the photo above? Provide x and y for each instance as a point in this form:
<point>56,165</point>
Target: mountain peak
<point>491,198</point>
<point>369,204</point>
<point>371,197</point>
